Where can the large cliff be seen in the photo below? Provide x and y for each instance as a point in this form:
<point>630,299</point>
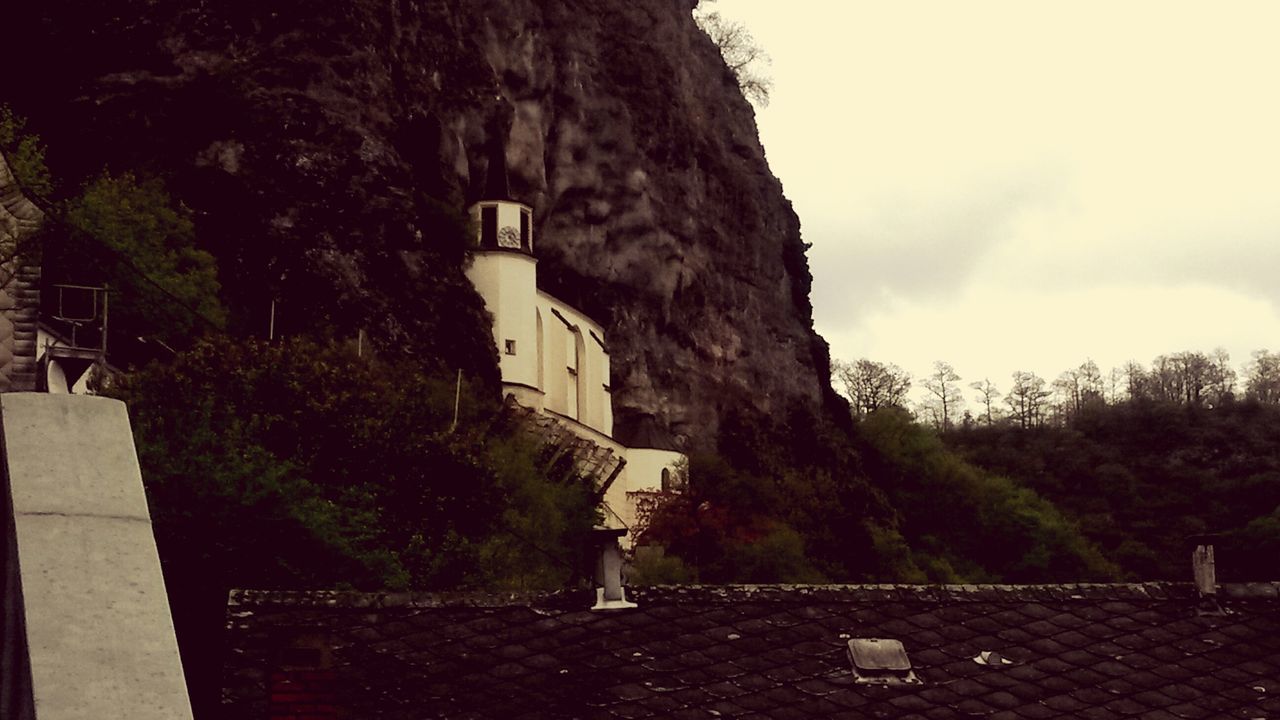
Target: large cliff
<point>322,145</point>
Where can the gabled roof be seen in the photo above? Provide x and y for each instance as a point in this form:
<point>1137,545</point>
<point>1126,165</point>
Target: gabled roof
<point>1069,651</point>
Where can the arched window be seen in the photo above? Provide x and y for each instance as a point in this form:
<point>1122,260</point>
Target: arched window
<point>538,348</point>
<point>666,480</point>
<point>576,351</point>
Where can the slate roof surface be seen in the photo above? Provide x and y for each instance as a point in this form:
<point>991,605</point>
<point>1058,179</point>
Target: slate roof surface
<point>1075,651</point>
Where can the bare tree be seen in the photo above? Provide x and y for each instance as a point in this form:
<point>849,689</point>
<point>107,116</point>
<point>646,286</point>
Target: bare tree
<point>944,385</point>
<point>1067,388</point>
<point>987,394</point>
<point>742,55</point>
<point>871,385</point>
<point>1080,388</point>
<point>1137,382</point>
<point>1027,399</point>
<point>1116,389</point>
<point>1222,378</point>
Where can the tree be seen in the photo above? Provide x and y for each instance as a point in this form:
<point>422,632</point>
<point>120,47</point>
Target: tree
<point>25,154</point>
<point>947,398</point>
<point>1137,382</point>
<point>987,394</point>
<point>872,385</point>
<point>1027,399</point>
<point>1079,388</point>
<point>128,233</point>
<point>1222,378</point>
<point>1262,377</point>
<point>742,55</point>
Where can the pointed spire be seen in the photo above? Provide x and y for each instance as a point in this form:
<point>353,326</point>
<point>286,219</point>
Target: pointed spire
<point>496,186</point>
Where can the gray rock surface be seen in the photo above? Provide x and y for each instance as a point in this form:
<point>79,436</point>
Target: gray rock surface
<point>317,141</point>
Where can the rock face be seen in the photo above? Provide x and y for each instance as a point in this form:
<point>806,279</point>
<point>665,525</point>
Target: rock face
<point>319,142</point>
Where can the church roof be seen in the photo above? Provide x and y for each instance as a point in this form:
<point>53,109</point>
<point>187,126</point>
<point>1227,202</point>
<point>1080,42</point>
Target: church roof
<point>1001,652</point>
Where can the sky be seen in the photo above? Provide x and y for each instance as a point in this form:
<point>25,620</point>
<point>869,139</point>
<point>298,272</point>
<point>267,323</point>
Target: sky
<point>1023,185</point>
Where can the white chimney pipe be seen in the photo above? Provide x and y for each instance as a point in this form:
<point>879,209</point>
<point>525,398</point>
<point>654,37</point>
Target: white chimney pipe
<point>1202,566</point>
<point>610,594</point>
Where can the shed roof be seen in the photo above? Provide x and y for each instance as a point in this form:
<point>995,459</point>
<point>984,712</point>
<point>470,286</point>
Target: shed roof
<point>1036,651</point>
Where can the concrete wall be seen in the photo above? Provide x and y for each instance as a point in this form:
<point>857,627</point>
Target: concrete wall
<point>97,624</point>
<point>16,701</point>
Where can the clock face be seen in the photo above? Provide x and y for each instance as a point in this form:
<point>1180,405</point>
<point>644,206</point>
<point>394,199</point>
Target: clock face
<point>509,237</point>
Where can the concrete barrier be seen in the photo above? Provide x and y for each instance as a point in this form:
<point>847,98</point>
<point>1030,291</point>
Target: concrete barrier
<point>97,625</point>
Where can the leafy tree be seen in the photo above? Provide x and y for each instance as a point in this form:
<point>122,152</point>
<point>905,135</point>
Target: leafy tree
<point>299,465</point>
<point>25,154</point>
<point>963,523</point>
<point>129,234</point>
<point>871,385</point>
<point>1140,476</point>
<point>356,460</point>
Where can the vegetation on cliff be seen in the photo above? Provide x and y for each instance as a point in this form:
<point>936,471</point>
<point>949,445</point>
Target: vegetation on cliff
<point>885,501</point>
<point>1141,477</point>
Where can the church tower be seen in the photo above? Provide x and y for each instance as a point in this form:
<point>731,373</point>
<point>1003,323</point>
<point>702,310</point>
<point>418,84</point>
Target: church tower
<point>554,359</point>
<point>504,272</point>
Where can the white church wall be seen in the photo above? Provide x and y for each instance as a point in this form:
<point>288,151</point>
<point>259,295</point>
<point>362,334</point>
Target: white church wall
<point>568,340</point>
<point>645,467</point>
<point>507,282</point>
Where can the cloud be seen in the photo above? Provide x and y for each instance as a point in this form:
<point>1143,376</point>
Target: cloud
<point>915,246</point>
<point>1011,185</point>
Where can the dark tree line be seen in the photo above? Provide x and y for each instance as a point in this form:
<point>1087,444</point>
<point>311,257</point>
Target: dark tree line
<point>1189,378</point>
<point>1138,458</point>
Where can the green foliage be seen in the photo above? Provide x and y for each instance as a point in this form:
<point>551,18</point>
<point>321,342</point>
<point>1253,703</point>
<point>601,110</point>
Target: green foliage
<point>656,568</point>
<point>1141,476</point>
<point>130,235</point>
<point>295,465</point>
<point>25,154</point>
<point>963,523</point>
<point>780,502</point>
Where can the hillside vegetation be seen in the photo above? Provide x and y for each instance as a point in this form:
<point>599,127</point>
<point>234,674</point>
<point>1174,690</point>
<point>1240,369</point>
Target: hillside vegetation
<point>1143,476</point>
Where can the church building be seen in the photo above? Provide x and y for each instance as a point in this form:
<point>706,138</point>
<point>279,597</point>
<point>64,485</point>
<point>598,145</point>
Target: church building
<point>554,358</point>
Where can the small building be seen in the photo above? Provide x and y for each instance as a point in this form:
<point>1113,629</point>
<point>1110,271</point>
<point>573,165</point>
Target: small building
<point>554,359</point>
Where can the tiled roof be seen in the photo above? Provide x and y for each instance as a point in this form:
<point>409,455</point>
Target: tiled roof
<point>1069,651</point>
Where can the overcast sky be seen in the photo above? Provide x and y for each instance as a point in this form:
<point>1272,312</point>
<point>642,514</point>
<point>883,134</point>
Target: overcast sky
<point>1021,186</point>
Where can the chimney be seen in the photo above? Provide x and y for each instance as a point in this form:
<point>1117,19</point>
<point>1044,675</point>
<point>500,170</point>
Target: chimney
<point>1202,565</point>
<point>610,595</point>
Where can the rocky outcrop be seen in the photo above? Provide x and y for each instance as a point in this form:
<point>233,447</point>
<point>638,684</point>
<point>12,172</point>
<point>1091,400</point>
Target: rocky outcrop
<point>324,147</point>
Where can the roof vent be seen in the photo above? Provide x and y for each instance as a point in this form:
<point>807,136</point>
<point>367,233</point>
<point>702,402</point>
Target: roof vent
<point>610,594</point>
<point>991,657</point>
<point>1202,565</point>
<point>881,662</point>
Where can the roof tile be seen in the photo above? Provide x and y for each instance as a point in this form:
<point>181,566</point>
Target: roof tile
<point>1088,651</point>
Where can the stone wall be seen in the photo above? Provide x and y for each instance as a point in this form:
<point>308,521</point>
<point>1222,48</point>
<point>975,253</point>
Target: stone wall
<point>20,222</point>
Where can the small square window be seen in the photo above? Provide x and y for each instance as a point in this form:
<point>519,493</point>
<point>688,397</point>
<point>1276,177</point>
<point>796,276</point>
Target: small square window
<point>511,347</point>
